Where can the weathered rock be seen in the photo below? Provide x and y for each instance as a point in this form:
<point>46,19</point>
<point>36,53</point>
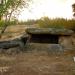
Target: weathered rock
<point>52,48</point>
<point>54,36</point>
<point>54,31</point>
<point>18,41</point>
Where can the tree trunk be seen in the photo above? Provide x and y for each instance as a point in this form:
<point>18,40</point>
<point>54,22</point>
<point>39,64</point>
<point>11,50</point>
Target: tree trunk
<point>6,25</point>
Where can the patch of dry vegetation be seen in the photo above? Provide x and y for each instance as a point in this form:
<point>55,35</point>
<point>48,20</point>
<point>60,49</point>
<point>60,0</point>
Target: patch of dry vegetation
<point>37,63</point>
<point>13,31</point>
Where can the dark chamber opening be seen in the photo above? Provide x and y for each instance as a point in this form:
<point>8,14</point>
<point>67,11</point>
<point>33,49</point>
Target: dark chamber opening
<point>44,38</point>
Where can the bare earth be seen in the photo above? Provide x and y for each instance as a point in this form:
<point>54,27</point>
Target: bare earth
<point>12,31</point>
<point>37,63</point>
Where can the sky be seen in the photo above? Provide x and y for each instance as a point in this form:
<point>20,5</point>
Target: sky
<point>50,8</point>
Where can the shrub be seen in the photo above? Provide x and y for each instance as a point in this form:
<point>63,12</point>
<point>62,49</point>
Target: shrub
<point>46,22</point>
<point>2,23</point>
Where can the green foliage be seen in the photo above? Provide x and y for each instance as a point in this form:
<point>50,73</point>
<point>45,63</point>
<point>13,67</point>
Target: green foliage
<point>7,10</point>
<point>7,7</point>
<point>11,22</point>
<point>73,7</point>
<point>56,23</point>
<point>70,24</point>
<point>30,22</point>
<point>2,23</point>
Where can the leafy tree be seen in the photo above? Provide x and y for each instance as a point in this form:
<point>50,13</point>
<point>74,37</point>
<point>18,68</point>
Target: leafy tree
<point>73,7</point>
<point>9,7</point>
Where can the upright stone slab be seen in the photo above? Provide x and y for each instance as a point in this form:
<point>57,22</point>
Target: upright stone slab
<point>50,48</point>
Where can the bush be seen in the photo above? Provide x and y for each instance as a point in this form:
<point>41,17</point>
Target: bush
<point>2,23</point>
<point>46,22</point>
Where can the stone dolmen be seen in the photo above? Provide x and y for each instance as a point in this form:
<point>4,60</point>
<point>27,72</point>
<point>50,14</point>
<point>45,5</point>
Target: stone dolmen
<point>63,37</point>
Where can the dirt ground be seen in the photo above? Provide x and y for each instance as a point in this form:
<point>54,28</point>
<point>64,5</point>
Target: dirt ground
<point>37,63</point>
<point>34,62</point>
<point>13,30</point>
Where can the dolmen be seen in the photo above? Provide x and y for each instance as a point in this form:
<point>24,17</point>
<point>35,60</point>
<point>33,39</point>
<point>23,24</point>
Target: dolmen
<point>44,38</point>
<point>53,36</point>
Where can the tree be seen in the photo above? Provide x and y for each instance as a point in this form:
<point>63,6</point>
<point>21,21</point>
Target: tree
<point>9,7</point>
<point>73,7</point>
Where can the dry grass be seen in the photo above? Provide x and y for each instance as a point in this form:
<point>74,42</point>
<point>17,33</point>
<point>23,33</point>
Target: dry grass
<point>37,63</point>
<point>13,30</point>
